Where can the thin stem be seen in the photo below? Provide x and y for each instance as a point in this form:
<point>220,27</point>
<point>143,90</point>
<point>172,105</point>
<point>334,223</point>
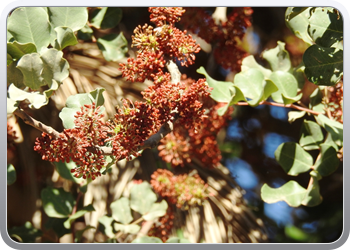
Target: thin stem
<point>283,105</point>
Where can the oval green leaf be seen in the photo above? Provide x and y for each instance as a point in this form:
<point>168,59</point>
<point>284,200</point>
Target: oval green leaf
<point>313,196</point>
<point>142,198</point>
<point>293,158</point>
<point>11,174</point>
<point>287,86</point>
<point>106,226</point>
<point>157,210</point>
<point>57,203</point>
<point>72,17</point>
<point>106,17</point>
<point>329,162</point>
<point>65,37</point>
<point>30,25</point>
<point>323,66</point>
<point>17,50</point>
<point>297,19</point>
<point>128,229</point>
<point>278,57</point>
<point>121,210</point>
<point>31,67</point>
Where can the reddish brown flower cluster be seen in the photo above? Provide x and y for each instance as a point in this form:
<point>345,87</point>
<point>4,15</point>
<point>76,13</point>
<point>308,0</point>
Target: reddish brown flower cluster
<point>183,190</point>
<point>73,144</point>
<point>132,126</point>
<point>224,36</point>
<point>335,101</point>
<point>156,44</point>
<point>163,227</point>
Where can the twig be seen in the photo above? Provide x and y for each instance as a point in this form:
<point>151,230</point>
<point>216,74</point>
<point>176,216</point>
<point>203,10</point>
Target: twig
<point>283,105</point>
<point>36,124</point>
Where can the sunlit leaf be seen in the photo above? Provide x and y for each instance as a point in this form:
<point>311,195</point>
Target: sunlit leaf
<point>142,198</point>
<point>278,57</point>
<point>287,87</point>
<point>313,197</point>
<point>326,27</point>
<point>65,37</point>
<point>121,210</point>
<point>106,226</point>
<point>131,229</point>
<point>30,25</point>
<point>333,127</point>
<point>72,17</point>
<point>113,46</point>
<point>249,62</point>
<point>157,210</point>
<point>293,115</point>
<point>291,192</point>
<point>17,50</point>
<point>297,19</point>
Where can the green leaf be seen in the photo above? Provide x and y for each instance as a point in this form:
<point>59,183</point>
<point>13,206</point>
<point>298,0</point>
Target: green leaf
<point>287,87</point>
<point>237,96</point>
<point>291,192</point>
<point>55,66</point>
<point>253,85</point>
<point>177,240</point>
<point>296,233</point>
<point>106,226</point>
<point>36,99</point>
<point>121,210</point>
<point>333,127</point>
<point>142,198</point>
<point>113,46</point>
<point>293,115</point>
<point>75,102</point>
<point>157,210</point>
<point>222,91</point>
<point>72,17</point>
<point>326,27</point>
<point>278,57</point>
<point>11,174</point>
<point>57,202</point>
<point>147,239</point>
<point>85,33</point>
<point>17,50</point>
<point>14,75</point>
<point>56,224</point>
<point>65,37</point>
<point>9,59</point>
<point>131,229</point>
<point>323,66</point>
<point>249,62</point>
<point>293,158</point>
<point>31,67</point>
<point>316,100</point>
<point>313,197</point>
<point>329,162</point>
<point>297,19</point>
<point>25,234</point>
<point>79,213</point>
<point>311,135</point>
<point>64,170</point>
<point>329,141</point>
<point>30,25</point>
<point>106,17</point>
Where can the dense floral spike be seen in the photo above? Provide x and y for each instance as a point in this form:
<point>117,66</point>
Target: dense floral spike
<point>223,36</point>
<point>183,190</point>
<point>165,15</point>
<point>73,144</point>
<point>132,126</point>
<point>334,101</point>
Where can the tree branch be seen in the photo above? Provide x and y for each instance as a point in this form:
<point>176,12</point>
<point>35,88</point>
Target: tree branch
<point>283,105</point>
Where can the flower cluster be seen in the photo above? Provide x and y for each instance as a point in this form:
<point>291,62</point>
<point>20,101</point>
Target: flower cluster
<point>334,101</point>
<point>154,44</point>
<point>163,227</point>
<point>183,190</point>
<point>74,144</point>
<point>225,36</point>
<point>132,126</point>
